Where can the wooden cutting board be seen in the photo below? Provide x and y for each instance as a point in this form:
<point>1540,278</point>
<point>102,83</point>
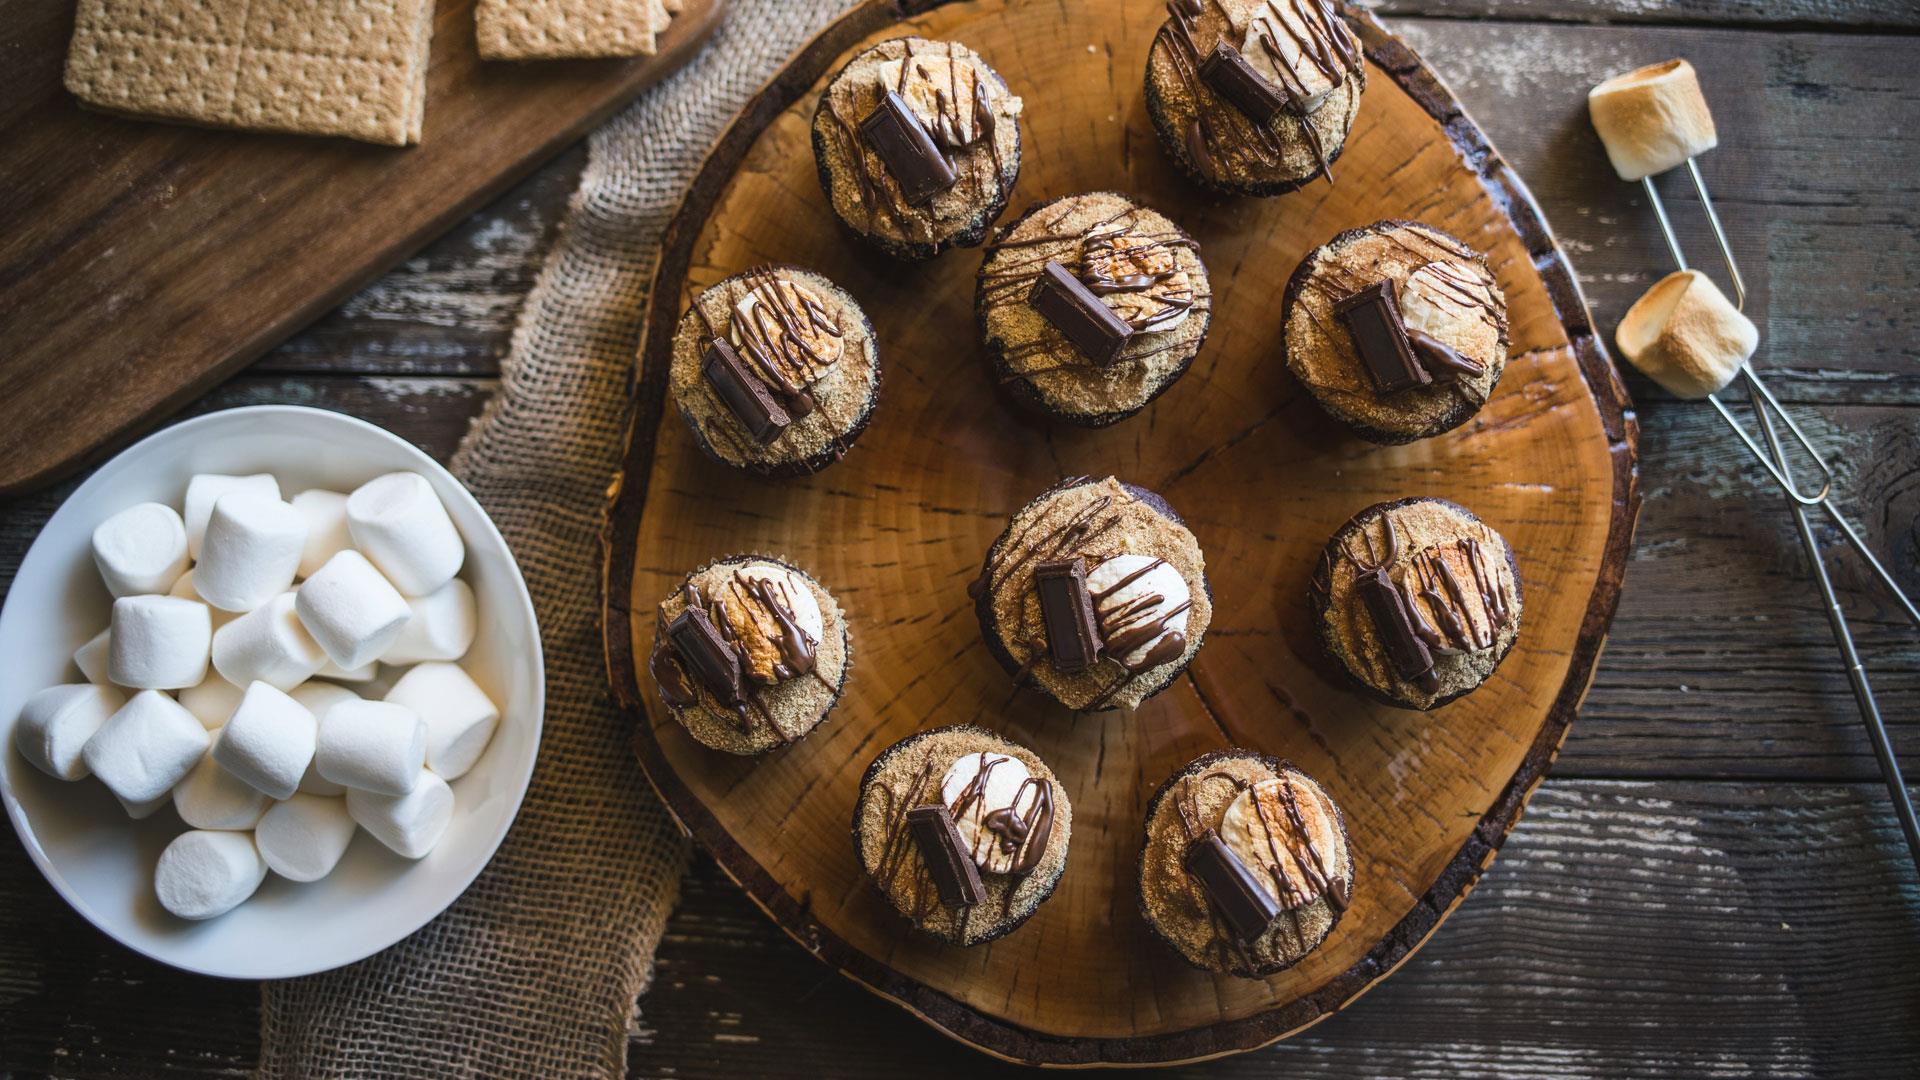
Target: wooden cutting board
<point>900,526</point>
<point>140,262</point>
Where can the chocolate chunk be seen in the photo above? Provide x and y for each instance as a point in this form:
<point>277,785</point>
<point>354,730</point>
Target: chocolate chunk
<point>1247,908</point>
<point>1230,76</point>
<point>1071,307</point>
<point>948,863</point>
<point>742,392</point>
<point>1073,633</point>
<point>713,661</point>
<point>1441,360</point>
<point>1393,625</point>
<point>1372,318</point>
<point>907,150</point>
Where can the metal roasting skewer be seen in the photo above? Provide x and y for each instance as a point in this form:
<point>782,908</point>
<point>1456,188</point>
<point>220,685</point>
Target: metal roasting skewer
<point>1774,457</point>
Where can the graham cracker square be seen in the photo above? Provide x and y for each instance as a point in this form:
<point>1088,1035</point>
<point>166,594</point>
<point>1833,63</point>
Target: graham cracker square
<point>555,29</point>
<point>354,68</point>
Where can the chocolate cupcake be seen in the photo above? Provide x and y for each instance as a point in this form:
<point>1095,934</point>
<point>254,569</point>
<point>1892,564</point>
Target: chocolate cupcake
<point>1246,867</point>
<point>1417,600</point>
<point>776,371</point>
<point>1091,307</point>
<point>964,832</point>
<point>1254,97</point>
<point>918,146</point>
<point>1398,330</point>
<point>1096,595</point>
<point>750,654</point>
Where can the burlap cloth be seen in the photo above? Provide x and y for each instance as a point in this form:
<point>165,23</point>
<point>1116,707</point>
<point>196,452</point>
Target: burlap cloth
<point>536,970</point>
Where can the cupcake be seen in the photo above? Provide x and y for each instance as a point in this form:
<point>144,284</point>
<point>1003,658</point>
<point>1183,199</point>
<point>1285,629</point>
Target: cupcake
<point>1246,867</point>
<point>918,146</point>
<point>1417,600</point>
<point>1091,307</point>
<point>1398,330</point>
<point>776,371</point>
<point>1096,595</point>
<point>964,832</point>
<point>1253,97</point>
<point>749,654</point>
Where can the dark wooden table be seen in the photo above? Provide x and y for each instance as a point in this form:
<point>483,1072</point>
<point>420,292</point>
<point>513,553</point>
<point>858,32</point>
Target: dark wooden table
<point>1709,882</point>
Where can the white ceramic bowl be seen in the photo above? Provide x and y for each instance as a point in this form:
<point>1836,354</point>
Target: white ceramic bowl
<point>102,861</point>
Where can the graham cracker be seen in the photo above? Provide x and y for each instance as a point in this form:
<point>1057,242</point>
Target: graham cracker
<point>353,68</point>
<point>556,29</point>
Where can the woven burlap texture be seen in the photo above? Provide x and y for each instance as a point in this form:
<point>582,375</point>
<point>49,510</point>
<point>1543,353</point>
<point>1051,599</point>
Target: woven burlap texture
<point>536,969</point>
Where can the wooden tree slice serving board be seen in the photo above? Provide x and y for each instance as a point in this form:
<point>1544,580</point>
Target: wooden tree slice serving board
<point>899,527</point>
<point>141,262</point>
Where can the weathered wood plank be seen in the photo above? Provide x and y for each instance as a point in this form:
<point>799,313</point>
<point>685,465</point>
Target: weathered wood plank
<point>1627,930</point>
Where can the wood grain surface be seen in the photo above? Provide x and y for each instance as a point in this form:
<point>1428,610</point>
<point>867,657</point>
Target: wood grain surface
<point>1671,924</point>
<point>204,248</point>
<point>899,527</point>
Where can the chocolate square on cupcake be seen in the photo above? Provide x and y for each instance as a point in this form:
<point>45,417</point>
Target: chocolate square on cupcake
<point>1095,595</point>
<point>1253,97</point>
<point>1246,866</point>
<point>964,832</point>
<point>776,371</point>
<point>1397,330</point>
<point>1091,307</point>
<point>918,146</point>
<point>750,654</point>
<point>1417,601</point>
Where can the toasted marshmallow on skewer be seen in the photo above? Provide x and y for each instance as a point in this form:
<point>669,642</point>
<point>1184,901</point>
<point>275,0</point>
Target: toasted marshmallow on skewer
<point>1686,335</point>
<point>1652,119</point>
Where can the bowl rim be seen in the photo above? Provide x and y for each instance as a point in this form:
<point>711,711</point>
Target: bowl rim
<point>385,934</point>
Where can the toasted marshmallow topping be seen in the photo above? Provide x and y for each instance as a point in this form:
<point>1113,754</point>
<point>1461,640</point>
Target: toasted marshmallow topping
<point>1140,601</point>
<point>1445,300</point>
<point>1284,830</point>
<point>773,617</point>
<point>783,323</point>
<point>940,92</point>
<point>1138,277</point>
<point>977,789</point>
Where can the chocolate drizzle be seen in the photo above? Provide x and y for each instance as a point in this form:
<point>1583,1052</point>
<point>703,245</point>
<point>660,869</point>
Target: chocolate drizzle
<point>1023,834</point>
<point>1128,626</point>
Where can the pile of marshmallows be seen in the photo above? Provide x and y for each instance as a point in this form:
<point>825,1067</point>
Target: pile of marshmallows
<point>272,770</point>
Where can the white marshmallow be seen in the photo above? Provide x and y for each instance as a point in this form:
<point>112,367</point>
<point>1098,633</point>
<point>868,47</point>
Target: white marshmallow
<point>303,838</point>
<point>212,702</point>
<point>205,489</point>
<point>141,811</point>
<point>1003,789</point>
<point>1144,612</point>
<point>269,742</point>
<point>146,747</point>
<point>372,746</point>
<point>91,658</point>
<point>401,525</point>
<point>460,717</point>
<point>56,723</point>
<point>158,642</point>
<point>325,513</point>
<point>410,824</point>
<point>141,550</point>
<point>252,549</point>
<point>203,874</point>
<point>443,625</point>
<point>210,797</point>
<point>183,588</point>
<point>366,672</point>
<point>269,645</point>
<point>351,610</point>
<point>319,697</point>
